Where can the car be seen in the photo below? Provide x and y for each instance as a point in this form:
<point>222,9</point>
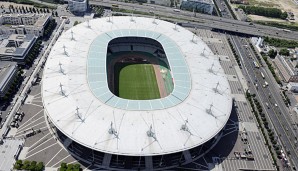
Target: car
<point>13,124</point>
<point>275,105</point>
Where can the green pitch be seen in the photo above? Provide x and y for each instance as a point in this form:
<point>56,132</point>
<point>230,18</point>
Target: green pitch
<point>138,82</point>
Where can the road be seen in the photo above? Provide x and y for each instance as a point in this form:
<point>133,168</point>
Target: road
<point>203,20</point>
<point>277,115</point>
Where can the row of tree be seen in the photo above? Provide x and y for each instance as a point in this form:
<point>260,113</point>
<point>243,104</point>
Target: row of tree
<point>261,118</point>
<point>70,167</point>
<point>28,165</point>
<point>267,12</point>
<point>49,28</point>
<point>24,10</point>
<point>281,42</point>
<point>14,86</point>
<point>29,2</point>
<point>33,53</point>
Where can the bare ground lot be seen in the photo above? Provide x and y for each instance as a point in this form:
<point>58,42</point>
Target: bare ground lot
<point>285,5</point>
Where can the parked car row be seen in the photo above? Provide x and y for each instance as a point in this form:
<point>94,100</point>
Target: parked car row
<point>18,117</point>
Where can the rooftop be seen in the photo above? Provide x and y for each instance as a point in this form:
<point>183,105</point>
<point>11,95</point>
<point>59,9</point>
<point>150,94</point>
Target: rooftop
<point>5,70</point>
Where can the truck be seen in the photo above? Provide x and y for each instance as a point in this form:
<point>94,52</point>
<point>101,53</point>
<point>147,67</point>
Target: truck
<point>176,10</point>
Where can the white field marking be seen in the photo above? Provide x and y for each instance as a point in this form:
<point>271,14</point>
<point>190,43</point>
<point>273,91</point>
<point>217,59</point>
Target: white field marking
<point>31,124</point>
<point>61,160</point>
<point>20,135</point>
<point>36,101</point>
<point>39,140</point>
<point>37,94</point>
<point>30,118</point>
<point>32,147</point>
<point>35,105</point>
<point>40,150</point>
<point>54,156</point>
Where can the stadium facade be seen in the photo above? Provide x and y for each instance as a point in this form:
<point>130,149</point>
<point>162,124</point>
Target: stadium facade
<point>110,132</point>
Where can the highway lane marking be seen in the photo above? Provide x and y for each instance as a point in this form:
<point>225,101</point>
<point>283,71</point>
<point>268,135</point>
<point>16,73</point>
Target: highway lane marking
<point>54,156</point>
<point>40,150</point>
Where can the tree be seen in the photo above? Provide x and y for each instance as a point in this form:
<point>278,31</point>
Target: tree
<point>69,167</point>
<point>77,167</point>
<point>272,53</point>
<point>284,52</point>
<point>75,23</point>
<point>63,167</point>
<point>32,166</point>
<point>39,166</point>
<point>19,163</point>
<point>284,15</point>
<point>56,13</point>
<point>26,165</point>
<point>34,10</point>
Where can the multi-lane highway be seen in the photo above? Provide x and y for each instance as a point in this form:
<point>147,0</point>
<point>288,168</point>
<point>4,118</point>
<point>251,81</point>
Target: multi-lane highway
<point>271,103</point>
<point>275,109</point>
<point>202,20</point>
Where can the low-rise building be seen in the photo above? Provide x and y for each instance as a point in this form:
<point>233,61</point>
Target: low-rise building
<point>293,87</point>
<point>24,23</point>
<point>203,6</point>
<point>16,47</point>
<point>77,6</point>
<point>8,71</point>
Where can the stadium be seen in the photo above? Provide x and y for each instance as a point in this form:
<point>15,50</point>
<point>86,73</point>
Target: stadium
<point>135,93</point>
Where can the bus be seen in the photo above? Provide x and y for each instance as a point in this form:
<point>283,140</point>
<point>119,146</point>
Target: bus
<point>263,76</point>
<point>176,10</point>
<point>256,64</point>
<point>115,5</point>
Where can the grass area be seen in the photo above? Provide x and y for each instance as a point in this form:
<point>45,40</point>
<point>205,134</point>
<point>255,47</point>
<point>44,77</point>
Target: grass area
<point>138,82</point>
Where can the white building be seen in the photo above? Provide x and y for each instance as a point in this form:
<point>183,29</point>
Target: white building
<point>77,5</point>
<point>24,23</point>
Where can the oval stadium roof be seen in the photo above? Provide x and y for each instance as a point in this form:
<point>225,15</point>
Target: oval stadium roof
<point>77,99</point>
